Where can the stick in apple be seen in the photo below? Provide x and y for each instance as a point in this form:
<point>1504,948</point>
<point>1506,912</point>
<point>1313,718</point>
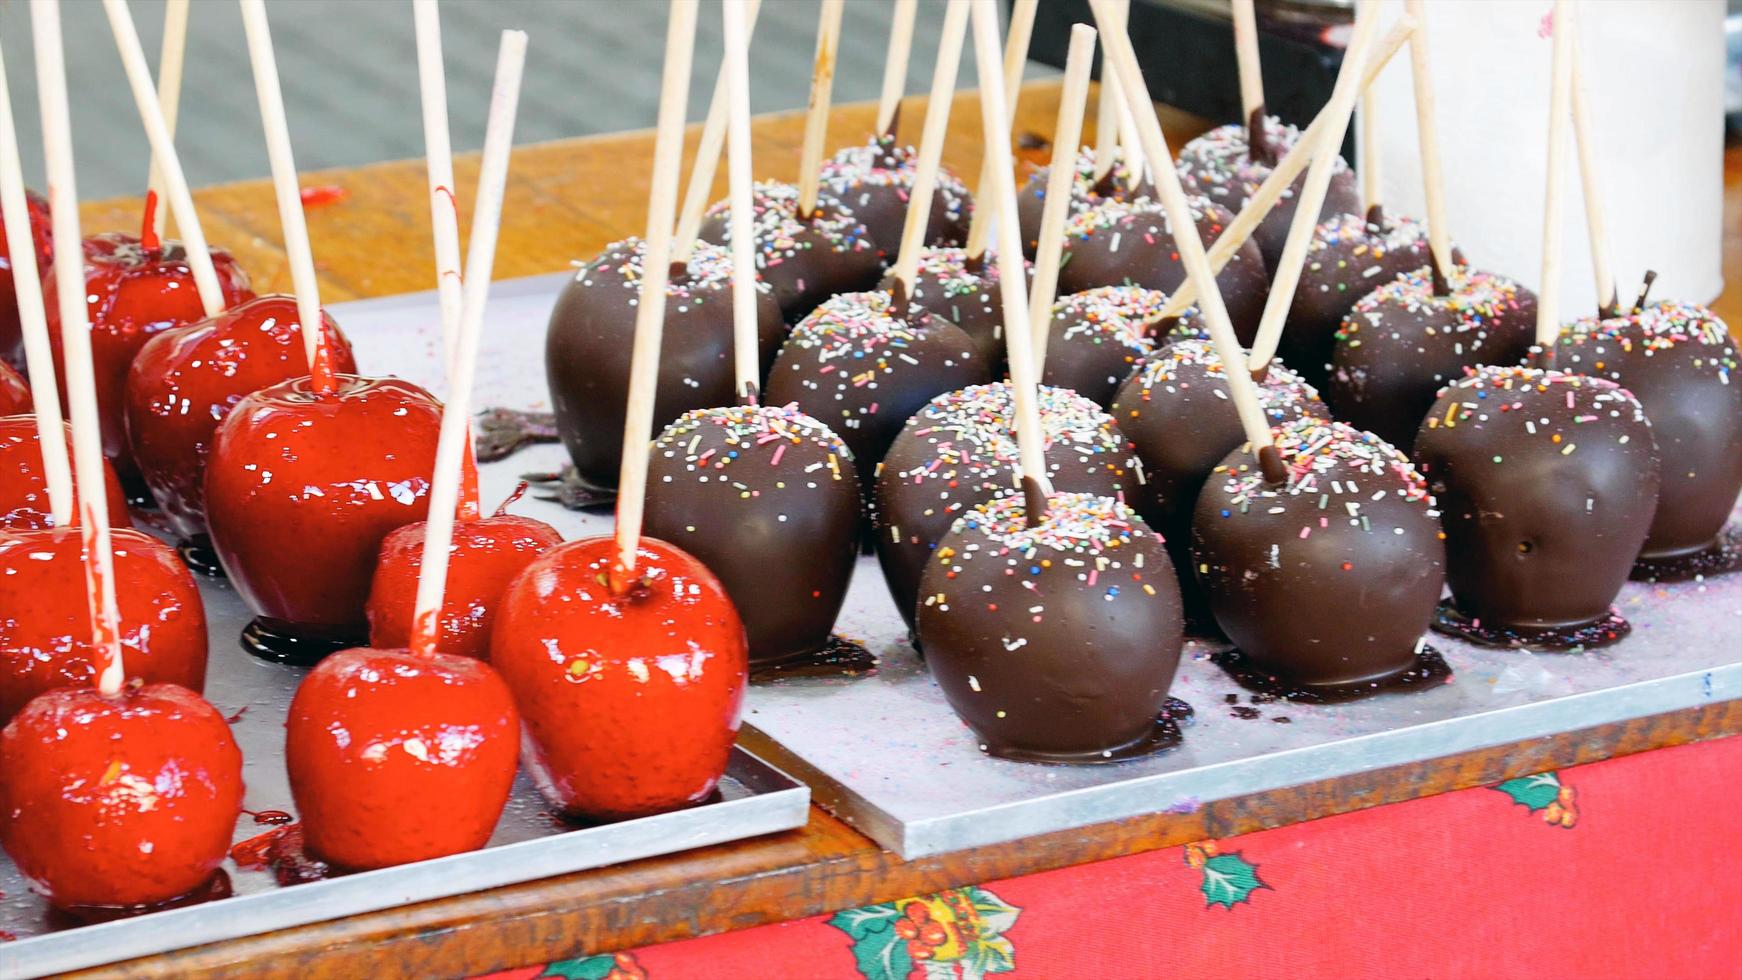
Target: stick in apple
<point>284,183</point>
<point>1191,248</point>
<point>816,122</point>
<point>708,149</point>
<point>1251,75</point>
<point>69,272</point>
<point>655,266</point>
<point>439,156</point>
<point>1367,135</point>
<point>931,147</point>
<point>735,73</point>
<point>1596,223</point>
<point>1439,235</point>
<point>446,486</point>
<point>163,153</point>
<point>1016,42</point>
<point>1312,196</point>
<point>1050,243</point>
<point>1548,294</point>
<point>32,317</point>
<point>895,66</point>
<point>169,64</point>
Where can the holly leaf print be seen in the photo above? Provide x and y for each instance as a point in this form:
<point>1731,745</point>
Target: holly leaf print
<point>1229,879</point>
<point>583,968</point>
<point>878,952</point>
<point>1534,792</point>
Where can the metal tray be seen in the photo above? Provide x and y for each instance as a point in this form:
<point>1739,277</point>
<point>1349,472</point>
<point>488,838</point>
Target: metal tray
<point>529,843</point>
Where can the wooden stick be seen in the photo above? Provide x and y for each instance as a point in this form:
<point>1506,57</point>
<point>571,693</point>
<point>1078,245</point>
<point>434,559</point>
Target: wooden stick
<point>713,141</point>
<point>1367,135</point>
<point>164,157</point>
<point>895,66</point>
<point>1439,235</point>
<point>445,487</point>
<point>1312,195</point>
<point>75,329</point>
<point>816,123</point>
<point>655,265</point>
<point>439,162</point>
<point>284,182</point>
<point>1596,222</point>
<point>1191,249</point>
<point>931,144</point>
<point>1050,243</point>
<point>169,64</point>
<point>1015,57</point>
<point>32,316</point>
<point>1001,199</point>
<point>1548,294</point>
<point>1246,53</point>
<point>746,350</point>
<point>1282,176</point>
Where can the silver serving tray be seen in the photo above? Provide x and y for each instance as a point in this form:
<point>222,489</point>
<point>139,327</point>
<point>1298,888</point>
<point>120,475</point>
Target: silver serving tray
<point>755,798</point>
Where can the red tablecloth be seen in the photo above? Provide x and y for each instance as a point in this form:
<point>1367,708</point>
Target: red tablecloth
<point>1625,868</point>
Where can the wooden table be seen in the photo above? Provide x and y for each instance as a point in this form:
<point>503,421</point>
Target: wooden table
<point>567,200</point>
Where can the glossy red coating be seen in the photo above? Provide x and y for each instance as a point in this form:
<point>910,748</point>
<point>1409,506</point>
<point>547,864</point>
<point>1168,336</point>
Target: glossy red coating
<point>45,629</point>
<point>14,391</point>
<point>11,334</point>
<point>24,491</point>
<point>184,382</point>
<point>484,557</point>
<point>301,488</point>
<point>118,802</point>
<point>632,700</point>
<point>133,293</point>
<point>396,757</point>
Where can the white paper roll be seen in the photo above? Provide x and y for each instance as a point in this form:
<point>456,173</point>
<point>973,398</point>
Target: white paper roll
<point>1655,74</point>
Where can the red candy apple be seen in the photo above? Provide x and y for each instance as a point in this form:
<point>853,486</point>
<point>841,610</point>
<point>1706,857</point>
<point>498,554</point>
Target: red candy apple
<point>24,491</point>
<point>396,757</point>
<point>14,391</point>
<point>11,331</point>
<point>301,488</point>
<point>630,686</point>
<point>45,630</point>
<point>186,380</point>
<point>134,290</point>
<point>118,802</point>
<point>484,557</point>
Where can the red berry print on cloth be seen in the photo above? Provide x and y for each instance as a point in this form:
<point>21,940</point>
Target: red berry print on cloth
<point>619,966</point>
<point>952,935</point>
<point>1545,794</point>
<point>1229,879</point>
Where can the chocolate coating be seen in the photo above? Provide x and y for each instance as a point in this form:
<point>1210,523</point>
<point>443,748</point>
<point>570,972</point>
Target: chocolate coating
<point>857,369</point>
<point>1181,421</point>
<point>591,333</point>
<point>1546,484</point>
<point>1347,258</point>
<point>1219,165</point>
<point>1331,577</point>
<point>1117,243</point>
<point>1402,344</point>
<point>969,298</point>
<point>873,182</point>
<point>1054,643</point>
<point>1679,361</point>
<point>1099,336</point>
<point>804,260</point>
<point>768,499</point>
<point>1086,192</point>
<point>960,451</point>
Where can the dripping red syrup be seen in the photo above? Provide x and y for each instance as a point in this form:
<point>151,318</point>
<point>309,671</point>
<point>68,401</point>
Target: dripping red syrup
<point>322,195</point>
<point>233,719</point>
<point>271,818</point>
<point>216,887</point>
<point>281,851</point>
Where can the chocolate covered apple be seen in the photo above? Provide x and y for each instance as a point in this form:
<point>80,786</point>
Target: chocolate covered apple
<point>1546,483</point>
<point>118,803</point>
<point>302,485</point>
<point>1099,336</point>
<point>588,342</point>
<point>1056,641</point>
<point>24,504</point>
<point>374,736</point>
<point>45,637</point>
<point>184,382</point>
<point>861,366</point>
<point>629,683</point>
<point>873,181</point>
<point>1086,192</point>
<point>1328,579</point>
<point>1679,360</point>
<point>805,258</point>
<point>744,490</point>
<point>135,288</point>
<point>954,290</point>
